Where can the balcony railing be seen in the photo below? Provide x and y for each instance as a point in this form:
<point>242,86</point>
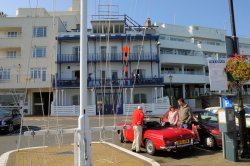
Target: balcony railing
<point>116,57</point>
<point>111,82</point>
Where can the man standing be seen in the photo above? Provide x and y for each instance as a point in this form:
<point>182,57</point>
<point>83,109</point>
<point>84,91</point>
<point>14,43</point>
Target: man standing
<point>137,122</point>
<point>185,114</point>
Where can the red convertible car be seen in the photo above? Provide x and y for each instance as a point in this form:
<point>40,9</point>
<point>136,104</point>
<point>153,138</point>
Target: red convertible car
<point>156,137</point>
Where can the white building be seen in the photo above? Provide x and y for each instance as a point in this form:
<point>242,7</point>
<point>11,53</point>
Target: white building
<point>39,62</point>
<point>112,89</point>
<point>184,53</point>
<point>27,51</point>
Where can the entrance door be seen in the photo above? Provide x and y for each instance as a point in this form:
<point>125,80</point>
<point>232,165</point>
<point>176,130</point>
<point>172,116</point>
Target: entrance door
<point>109,103</point>
<point>41,103</point>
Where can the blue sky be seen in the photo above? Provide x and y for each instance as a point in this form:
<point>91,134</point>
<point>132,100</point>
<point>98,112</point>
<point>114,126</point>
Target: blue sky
<point>208,13</point>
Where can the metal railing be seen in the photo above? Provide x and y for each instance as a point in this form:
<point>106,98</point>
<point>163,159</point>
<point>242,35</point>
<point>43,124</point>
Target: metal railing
<point>112,57</point>
<point>111,82</point>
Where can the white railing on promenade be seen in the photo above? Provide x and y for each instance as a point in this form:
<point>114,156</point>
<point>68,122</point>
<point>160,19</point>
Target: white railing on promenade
<point>149,108</point>
<point>73,110</point>
<point>157,108</point>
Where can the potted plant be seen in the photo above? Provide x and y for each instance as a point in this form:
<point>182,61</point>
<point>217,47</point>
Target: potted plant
<point>238,69</point>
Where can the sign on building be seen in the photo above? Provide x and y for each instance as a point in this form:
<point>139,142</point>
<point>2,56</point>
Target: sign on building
<point>217,75</point>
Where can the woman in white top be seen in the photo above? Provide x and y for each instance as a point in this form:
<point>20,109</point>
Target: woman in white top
<point>173,116</point>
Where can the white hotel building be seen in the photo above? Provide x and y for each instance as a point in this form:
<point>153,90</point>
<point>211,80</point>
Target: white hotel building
<point>39,65</point>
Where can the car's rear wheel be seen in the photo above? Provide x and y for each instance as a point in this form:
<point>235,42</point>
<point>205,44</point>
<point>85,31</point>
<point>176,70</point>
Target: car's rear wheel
<point>149,145</point>
<point>209,142</point>
<point>10,128</point>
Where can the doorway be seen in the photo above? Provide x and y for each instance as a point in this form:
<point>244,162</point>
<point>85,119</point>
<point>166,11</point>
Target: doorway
<point>41,102</point>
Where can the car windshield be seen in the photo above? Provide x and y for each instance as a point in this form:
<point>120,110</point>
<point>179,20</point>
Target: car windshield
<point>206,117</point>
<point>4,113</point>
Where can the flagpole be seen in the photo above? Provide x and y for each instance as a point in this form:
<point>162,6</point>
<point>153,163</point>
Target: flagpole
<point>84,135</point>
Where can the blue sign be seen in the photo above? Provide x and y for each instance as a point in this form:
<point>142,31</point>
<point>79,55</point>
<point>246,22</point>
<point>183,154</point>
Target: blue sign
<point>227,102</point>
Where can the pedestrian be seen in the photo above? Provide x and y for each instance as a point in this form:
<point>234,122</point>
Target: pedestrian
<point>185,114</point>
<point>137,122</point>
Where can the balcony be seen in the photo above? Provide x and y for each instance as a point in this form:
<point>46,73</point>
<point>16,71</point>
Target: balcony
<point>117,57</point>
<point>186,78</point>
<point>98,83</point>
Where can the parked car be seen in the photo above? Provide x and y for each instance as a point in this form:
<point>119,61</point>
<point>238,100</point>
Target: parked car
<point>9,119</point>
<point>246,108</point>
<point>208,128</point>
<point>156,137</point>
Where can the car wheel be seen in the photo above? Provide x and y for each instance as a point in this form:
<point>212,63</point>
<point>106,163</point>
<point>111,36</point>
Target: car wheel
<point>10,128</point>
<point>150,147</point>
<point>121,137</point>
<point>210,142</point>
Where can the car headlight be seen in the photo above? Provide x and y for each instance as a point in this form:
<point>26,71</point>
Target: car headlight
<point>3,123</point>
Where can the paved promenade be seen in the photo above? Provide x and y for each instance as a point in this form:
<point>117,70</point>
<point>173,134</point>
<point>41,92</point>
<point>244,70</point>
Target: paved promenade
<point>103,155</point>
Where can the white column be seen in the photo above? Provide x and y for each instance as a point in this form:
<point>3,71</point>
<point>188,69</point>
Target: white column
<point>59,98</point>
<point>155,95</point>
<point>182,69</point>
<point>62,97</point>
<point>162,92</point>
<point>183,91</point>
<point>56,98</point>
<point>92,96</point>
<point>205,88</point>
<point>125,96</point>
<point>131,96</point>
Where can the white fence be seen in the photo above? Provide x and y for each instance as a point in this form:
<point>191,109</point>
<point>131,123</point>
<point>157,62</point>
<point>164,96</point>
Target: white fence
<point>158,108</point>
<point>149,108</point>
<point>71,110</point>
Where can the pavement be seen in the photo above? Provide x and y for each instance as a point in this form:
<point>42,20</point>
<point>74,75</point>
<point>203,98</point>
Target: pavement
<point>108,154</point>
<point>103,155</point>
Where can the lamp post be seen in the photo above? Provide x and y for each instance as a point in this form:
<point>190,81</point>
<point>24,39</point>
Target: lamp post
<point>170,90</point>
<point>244,151</point>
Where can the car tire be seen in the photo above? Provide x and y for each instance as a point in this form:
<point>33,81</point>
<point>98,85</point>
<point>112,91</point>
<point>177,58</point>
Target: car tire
<point>121,137</point>
<point>209,142</point>
<point>10,128</point>
<point>150,147</point>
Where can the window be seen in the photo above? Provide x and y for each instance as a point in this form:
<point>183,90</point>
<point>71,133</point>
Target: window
<point>138,49</point>
<point>39,31</point>
<point>140,98</point>
<point>76,53</point>
<point>113,52</point>
<point>11,54</point>
<point>12,34</point>
<point>39,52</point>
<point>75,100</point>
<point>4,74</point>
<point>103,52</point>
<point>38,73</point>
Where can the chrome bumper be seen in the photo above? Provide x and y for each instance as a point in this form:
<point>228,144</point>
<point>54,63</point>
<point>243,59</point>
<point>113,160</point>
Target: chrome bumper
<point>168,148</point>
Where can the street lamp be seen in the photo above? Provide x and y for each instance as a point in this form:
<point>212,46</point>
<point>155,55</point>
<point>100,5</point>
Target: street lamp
<point>244,151</point>
<point>170,90</point>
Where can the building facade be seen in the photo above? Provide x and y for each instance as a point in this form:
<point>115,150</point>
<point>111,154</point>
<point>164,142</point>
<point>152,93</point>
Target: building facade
<point>117,82</point>
<point>27,51</point>
<point>184,55</point>
<point>40,55</point>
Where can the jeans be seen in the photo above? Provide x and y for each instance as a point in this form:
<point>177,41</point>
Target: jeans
<point>186,126</point>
